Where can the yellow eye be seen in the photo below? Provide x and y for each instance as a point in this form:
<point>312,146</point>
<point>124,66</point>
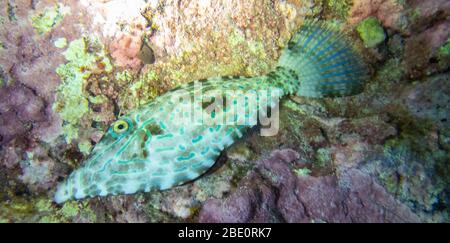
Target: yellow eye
<point>120,126</point>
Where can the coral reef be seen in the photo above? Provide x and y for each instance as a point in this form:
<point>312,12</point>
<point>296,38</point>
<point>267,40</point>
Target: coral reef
<point>69,68</point>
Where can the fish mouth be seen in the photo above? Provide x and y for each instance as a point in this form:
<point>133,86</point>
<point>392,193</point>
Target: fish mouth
<point>76,187</point>
<point>68,189</point>
<point>61,194</point>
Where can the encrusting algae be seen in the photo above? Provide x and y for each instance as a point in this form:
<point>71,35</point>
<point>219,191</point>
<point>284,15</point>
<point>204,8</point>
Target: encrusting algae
<point>43,22</point>
<point>386,148</point>
<point>72,102</point>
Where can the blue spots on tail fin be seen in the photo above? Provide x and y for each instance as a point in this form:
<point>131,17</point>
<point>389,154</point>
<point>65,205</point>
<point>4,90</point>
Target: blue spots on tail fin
<point>325,62</point>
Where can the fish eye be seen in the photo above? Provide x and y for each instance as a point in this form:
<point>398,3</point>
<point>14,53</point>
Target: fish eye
<point>120,126</point>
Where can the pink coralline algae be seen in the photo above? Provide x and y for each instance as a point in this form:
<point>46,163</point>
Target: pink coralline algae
<point>274,194</point>
<point>26,102</point>
<point>18,106</point>
<point>125,51</point>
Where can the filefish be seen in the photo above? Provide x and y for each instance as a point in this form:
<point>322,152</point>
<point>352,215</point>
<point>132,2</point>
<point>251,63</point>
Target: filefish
<point>153,148</point>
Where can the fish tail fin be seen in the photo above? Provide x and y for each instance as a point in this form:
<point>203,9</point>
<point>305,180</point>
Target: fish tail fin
<point>324,62</point>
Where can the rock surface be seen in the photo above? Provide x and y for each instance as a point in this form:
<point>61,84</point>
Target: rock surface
<point>380,156</point>
<point>273,193</point>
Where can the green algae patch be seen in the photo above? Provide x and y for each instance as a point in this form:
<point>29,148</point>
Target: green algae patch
<point>85,147</point>
<point>70,212</point>
<point>15,210</point>
<point>339,8</point>
<point>407,180</point>
<point>43,210</point>
<point>445,49</point>
<point>323,157</point>
<point>60,43</point>
<point>371,32</point>
<point>124,76</point>
<point>44,21</point>
<point>302,172</point>
<point>144,78</point>
<point>142,88</point>
<point>444,55</point>
<point>249,56</point>
<point>390,73</point>
<point>84,57</point>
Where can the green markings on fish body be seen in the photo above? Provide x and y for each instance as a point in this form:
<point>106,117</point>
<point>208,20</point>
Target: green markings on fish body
<point>168,135</point>
<point>126,172</point>
<point>204,151</point>
<point>197,139</point>
<point>188,157</point>
<point>164,149</point>
<point>180,168</point>
<point>160,172</point>
<point>150,149</point>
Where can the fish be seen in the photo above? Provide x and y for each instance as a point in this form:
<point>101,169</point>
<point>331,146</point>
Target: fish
<point>163,144</point>
<point>146,54</point>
